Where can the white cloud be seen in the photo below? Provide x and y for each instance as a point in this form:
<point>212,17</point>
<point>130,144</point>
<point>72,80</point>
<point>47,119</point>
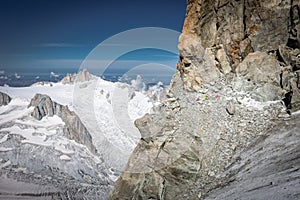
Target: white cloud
<point>99,66</point>
<point>171,56</point>
<point>94,64</point>
<point>17,76</point>
<point>58,62</point>
<point>52,74</point>
<point>117,45</point>
<point>61,45</point>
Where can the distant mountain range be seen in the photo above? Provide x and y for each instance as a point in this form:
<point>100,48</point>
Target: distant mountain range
<point>71,138</point>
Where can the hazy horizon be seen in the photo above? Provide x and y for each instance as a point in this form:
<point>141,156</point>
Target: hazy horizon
<point>39,37</point>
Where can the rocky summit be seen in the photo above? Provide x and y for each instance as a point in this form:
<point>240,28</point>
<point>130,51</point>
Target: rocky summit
<point>230,127</point>
<point>81,76</point>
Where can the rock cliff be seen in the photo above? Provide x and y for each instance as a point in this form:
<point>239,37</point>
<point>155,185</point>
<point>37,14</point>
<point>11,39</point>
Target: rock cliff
<point>237,79</point>
<point>74,128</point>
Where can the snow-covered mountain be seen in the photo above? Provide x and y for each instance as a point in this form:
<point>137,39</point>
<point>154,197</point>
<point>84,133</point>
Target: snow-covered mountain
<point>38,160</point>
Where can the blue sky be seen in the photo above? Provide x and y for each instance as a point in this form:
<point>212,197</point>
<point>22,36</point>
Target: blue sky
<point>54,34</point>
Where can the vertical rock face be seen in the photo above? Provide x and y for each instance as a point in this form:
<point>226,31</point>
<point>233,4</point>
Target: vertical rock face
<point>4,99</point>
<point>238,61</point>
<point>74,128</point>
<point>217,37</point>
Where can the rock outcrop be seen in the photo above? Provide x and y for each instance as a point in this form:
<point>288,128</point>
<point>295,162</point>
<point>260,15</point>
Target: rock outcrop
<point>81,76</point>
<point>237,78</point>
<point>234,37</point>
<point>74,128</point>
<point>4,99</point>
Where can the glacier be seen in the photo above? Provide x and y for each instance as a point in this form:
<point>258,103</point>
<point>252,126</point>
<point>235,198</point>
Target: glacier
<point>37,161</point>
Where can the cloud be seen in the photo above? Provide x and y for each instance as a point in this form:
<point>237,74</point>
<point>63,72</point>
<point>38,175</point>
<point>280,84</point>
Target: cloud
<point>17,76</point>
<point>60,45</point>
<point>2,72</point>
<point>55,64</point>
<point>171,56</point>
<point>117,45</point>
<point>98,67</point>
<point>52,74</point>
<point>60,63</point>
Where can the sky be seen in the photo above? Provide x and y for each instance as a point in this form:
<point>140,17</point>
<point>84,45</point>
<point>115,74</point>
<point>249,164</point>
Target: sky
<point>58,34</point>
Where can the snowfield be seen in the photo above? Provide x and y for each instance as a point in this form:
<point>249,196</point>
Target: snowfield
<point>34,152</point>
